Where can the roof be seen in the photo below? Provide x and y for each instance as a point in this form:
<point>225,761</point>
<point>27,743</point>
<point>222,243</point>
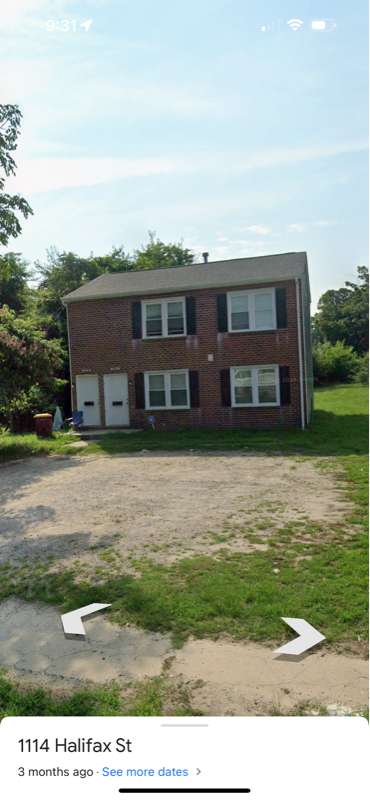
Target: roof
<point>261,269</point>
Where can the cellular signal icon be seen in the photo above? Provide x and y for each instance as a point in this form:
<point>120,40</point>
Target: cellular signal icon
<point>295,23</point>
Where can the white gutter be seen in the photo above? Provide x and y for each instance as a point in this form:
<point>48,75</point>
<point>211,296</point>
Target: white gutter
<point>69,355</point>
<point>300,353</point>
<point>305,360</point>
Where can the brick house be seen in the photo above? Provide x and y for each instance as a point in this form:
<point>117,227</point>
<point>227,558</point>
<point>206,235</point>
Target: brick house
<point>218,344</point>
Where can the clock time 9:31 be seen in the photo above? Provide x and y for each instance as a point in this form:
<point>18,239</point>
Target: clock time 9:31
<point>63,25</point>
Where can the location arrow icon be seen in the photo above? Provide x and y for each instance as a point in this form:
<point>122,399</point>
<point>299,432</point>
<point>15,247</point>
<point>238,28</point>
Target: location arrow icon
<point>86,25</point>
<point>308,637</point>
<point>72,621</point>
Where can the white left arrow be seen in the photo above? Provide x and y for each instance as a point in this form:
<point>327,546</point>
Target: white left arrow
<point>72,621</point>
<point>308,637</point>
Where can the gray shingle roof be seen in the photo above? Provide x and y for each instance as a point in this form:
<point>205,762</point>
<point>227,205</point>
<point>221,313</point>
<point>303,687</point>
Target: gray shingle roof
<point>193,276</point>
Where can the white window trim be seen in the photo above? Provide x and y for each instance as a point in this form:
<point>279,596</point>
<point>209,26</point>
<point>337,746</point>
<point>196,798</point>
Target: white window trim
<point>251,294</point>
<point>167,387</point>
<point>254,368</point>
<point>163,302</point>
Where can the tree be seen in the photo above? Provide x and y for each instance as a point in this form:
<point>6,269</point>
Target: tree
<point>14,276</point>
<point>361,374</point>
<point>156,255</point>
<point>29,365</point>
<point>65,272</point>
<point>334,363</point>
<point>343,314</point>
<point>10,119</point>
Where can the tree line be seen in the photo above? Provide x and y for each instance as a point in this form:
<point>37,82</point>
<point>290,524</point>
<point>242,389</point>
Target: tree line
<point>34,366</point>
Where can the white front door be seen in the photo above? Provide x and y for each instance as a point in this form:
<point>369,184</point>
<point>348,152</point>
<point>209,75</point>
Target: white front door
<point>116,400</point>
<point>87,387</point>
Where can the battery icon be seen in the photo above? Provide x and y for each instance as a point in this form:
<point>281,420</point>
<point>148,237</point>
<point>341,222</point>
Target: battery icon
<point>322,25</point>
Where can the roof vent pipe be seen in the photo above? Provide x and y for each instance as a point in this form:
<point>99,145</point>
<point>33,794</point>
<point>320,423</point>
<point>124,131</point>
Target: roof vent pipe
<point>205,257</point>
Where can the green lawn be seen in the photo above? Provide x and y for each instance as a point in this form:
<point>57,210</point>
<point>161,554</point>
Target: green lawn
<point>339,428</point>
<point>156,696</point>
<point>21,446</point>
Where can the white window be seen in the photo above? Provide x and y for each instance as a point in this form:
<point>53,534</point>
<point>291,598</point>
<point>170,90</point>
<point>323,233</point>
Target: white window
<point>167,390</point>
<point>255,386</point>
<point>164,318</point>
<point>251,311</point>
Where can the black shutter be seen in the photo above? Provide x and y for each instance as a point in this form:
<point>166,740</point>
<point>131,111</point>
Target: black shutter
<point>225,387</point>
<point>139,391</point>
<point>137,332</point>
<point>194,389</point>
<point>284,386</point>
<point>280,296</point>
<point>191,323</point>
<point>222,313</point>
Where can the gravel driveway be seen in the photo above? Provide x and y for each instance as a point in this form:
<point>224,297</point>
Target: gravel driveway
<point>159,505</point>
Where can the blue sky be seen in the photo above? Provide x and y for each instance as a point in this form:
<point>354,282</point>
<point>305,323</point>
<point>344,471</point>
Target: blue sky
<point>188,120</point>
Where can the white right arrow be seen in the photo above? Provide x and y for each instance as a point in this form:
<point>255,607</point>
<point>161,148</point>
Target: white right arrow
<point>308,637</point>
<point>86,25</point>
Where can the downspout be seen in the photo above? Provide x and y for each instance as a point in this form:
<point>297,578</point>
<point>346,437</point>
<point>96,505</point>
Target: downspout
<point>300,352</point>
<point>305,361</point>
<point>69,355</point>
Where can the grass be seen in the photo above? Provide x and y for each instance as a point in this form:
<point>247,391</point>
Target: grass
<point>152,697</point>
<point>21,446</point>
<point>339,428</point>
<point>239,593</point>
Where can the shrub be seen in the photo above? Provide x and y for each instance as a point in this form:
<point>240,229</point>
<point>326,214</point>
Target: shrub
<point>332,363</point>
<point>361,374</point>
<point>29,366</point>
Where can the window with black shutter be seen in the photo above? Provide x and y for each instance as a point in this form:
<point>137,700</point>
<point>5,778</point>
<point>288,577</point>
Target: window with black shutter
<point>194,389</point>
<point>137,331</point>
<point>222,313</point>
<point>225,387</point>
<point>191,323</point>
<point>139,391</point>
<point>284,386</point>
<point>281,316</point>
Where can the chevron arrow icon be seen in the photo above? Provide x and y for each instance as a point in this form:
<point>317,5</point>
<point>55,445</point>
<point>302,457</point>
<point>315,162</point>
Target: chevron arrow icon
<point>308,637</point>
<point>72,621</point>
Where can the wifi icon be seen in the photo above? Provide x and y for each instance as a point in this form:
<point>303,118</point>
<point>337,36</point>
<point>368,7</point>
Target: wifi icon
<point>295,23</point>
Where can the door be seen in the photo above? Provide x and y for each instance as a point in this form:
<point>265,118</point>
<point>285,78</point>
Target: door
<point>116,400</point>
<point>87,387</point>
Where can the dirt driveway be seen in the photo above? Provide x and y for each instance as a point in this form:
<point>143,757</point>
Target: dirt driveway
<point>159,505</point>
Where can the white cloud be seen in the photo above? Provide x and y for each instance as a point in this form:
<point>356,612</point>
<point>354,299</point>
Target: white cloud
<point>296,228</point>
<point>221,251</point>
<point>48,174</point>
<point>283,156</point>
<point>255,229</point>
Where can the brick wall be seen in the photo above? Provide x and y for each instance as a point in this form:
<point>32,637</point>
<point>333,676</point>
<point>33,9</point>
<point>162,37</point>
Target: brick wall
<point>101,338</point>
